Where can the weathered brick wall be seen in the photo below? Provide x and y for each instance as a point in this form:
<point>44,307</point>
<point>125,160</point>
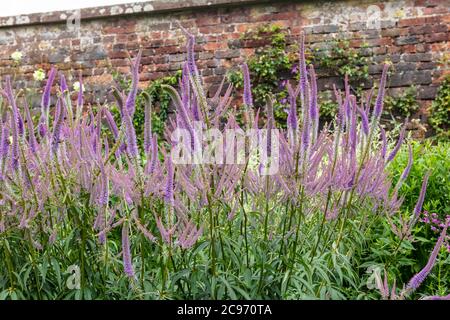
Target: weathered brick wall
<point>413,34</point>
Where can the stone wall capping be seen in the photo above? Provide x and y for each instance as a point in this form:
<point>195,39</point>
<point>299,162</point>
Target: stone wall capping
<point>135,8</point>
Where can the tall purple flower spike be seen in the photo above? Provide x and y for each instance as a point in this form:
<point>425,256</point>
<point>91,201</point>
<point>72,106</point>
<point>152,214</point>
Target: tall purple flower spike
<point>4,142</point>
<point>419,203</point>
<point>45,104</point>
<point>418,279</point>
<point>126,252</point>
<point>20,125</point>
<point>80,93</point>
<point>168,193</point>
<point>314,107</point>
<point>147,128</point>
<point>130,133</point>
<point>381,90</point>
<point>15,120</point>
<point>364,121</point>
<point>130,103</point>
<point>62,82</point>
<point>31,136</point>
<point>185,88</point>
<point>42,127</point>
<point>111,123</point>
<point>383,143</point>
<point>154,155</point>
<point>394,151</point>
<point>57,127</point>
<point>303,84</point>
<point>190,55</point>
<point>405,173</point>
<point>292,121</point>
<point>248,99</point>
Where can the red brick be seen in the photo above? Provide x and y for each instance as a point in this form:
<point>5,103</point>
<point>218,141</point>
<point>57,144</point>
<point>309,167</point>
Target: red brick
<point>411,48</point>
<point>412,22</point>
<point>214,46</point>
<point>211,29</point>
<point>207,21</point>
<point>437,37</point>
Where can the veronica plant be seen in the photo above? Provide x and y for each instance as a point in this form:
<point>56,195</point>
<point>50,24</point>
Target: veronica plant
<point>75,189</point>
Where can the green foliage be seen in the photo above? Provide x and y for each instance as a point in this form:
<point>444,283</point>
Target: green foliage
<point>249,227</point>
<point>404,259</point>
<point>426,157</point>
<point>269,66</point>
<point>440,110</point>
<point>402,106</point>
<point>275,63</point>
<point>328,107</point>
<point>160,99</point>
<point>340,59</point>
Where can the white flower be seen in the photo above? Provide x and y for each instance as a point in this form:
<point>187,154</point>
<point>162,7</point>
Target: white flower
<point>16,56</point>
<point>76,86</point>
<point>39,75</point>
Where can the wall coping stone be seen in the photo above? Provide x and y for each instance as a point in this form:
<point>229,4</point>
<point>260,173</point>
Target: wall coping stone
<point>135,8</point>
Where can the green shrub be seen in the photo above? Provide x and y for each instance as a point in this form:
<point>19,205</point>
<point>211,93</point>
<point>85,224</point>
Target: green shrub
<point>402,106</point>
<point>276,63</point>
<point>440,111</point>
<point>426,157</point>
<point>160,99</point>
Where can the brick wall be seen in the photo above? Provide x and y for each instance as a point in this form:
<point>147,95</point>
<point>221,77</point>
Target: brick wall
<point>413,34</point>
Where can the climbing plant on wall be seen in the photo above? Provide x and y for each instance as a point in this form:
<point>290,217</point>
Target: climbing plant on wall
<point>275,63</point>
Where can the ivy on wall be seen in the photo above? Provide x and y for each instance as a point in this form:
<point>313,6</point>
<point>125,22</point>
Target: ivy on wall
<point>160,98</point>
<point>440,110</point>
<point>275,63</point>
<point>401,106</point>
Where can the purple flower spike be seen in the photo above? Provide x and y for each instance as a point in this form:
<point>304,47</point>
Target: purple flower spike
<point>168,194</point>
<point>408,167</point>
<point>292,121</point>
<point>31,137</point>
<point>364,121</point>
<point>42,127</point>
<point>57,128</point>
<point>15,146</point>
<point>190,48</point>
<point>15,124</point>
<point>303,84</point>
<point>20,126</point>
<point>147,127</point>
<point>126,252</point>
<point>154,155</point>
<point>384,143</point>
<point>62,83</point>
<point>419,203</point>
<point>130,133</point>
<point>185,88</point>
<point>314,110</point>
<point>248,99</point>
<point>379,101</point>
<point>417,280</point>
<point>130,103</point>
<point>80,93</point>
<point>393,153</point>
<point>103,197</point>
<point>111,123</point>
<point>4,142</point>
<point>47,91</point>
